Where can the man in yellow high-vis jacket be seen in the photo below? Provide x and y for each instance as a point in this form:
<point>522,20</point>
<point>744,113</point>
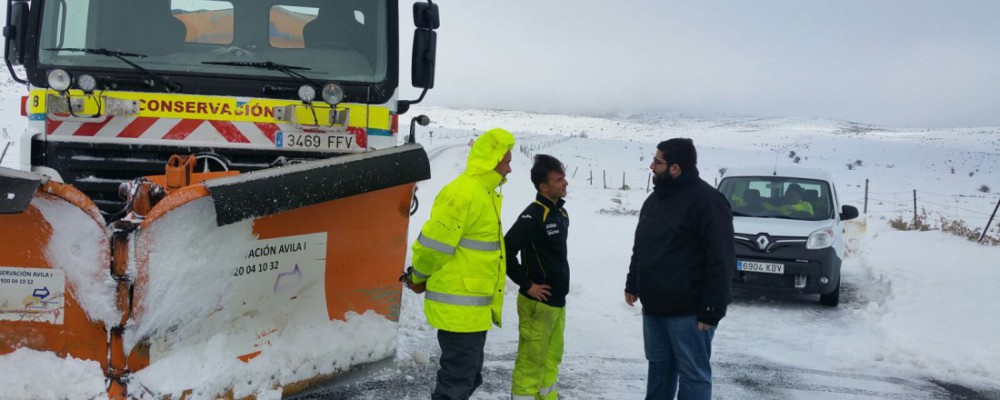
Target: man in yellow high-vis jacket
<point>458,262</point>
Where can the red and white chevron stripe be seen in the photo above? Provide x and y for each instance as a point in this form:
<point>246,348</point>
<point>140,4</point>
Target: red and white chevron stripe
<point>169,129</point>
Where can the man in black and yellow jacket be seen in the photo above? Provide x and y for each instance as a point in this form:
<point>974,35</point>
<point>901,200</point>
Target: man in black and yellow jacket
<point>539,236</point>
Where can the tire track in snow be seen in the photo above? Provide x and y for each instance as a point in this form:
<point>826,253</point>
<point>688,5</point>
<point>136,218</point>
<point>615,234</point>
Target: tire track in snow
<point>737,376</point>
<point>438,150</point>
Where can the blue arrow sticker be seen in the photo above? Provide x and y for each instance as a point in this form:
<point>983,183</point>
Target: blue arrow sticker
<point>41,293</point>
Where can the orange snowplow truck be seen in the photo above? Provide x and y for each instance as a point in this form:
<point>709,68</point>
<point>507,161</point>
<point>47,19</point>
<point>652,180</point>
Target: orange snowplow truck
<point>210,182</point>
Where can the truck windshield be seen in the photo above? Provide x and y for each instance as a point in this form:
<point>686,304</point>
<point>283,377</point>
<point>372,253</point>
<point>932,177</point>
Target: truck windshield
<point>778,197</point>
<point>344,40</point>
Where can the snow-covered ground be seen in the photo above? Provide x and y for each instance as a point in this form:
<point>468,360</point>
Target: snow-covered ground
<point>918,312</point>
<point>918,316</point>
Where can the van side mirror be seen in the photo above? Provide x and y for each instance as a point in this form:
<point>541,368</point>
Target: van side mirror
<point>15,33</point>
<point>848,213</point>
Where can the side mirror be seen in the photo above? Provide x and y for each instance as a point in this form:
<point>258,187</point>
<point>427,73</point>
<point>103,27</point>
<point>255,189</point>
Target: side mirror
<point>421,119</point>
<point>425,16</point>
<point>15,33</point>
<point>427,19</point>
<point>848,213</point>
<point>424,54</point>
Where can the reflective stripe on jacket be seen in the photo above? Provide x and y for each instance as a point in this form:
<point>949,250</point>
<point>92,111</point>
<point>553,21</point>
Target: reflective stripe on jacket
<point>460,251</point>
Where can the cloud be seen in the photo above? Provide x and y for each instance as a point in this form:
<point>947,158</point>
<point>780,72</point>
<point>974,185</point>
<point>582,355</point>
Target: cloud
<point>899,63</point>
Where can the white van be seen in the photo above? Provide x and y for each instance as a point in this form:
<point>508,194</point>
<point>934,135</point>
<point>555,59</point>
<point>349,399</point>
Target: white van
<point>788,232</point>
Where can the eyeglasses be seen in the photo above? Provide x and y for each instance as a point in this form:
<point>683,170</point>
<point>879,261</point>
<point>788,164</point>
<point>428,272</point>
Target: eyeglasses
<point>659,162</point>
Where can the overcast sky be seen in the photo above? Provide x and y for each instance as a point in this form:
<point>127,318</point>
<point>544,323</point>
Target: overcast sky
<point>896,63</point>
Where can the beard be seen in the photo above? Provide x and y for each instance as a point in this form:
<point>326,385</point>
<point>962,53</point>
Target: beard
<point>662,178</point>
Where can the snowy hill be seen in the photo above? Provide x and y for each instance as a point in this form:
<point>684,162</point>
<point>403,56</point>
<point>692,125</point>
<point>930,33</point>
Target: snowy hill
<point>947,167</point>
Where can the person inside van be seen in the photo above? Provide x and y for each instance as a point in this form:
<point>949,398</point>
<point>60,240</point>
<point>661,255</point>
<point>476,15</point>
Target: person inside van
<point>751,202</point>
<point>794,203</point>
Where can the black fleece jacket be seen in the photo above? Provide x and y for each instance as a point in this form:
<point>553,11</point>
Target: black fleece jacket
<point>539,235</point>
<point>683,257</point>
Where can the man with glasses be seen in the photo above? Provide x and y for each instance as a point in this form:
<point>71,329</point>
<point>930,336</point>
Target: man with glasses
<point>681,267</point>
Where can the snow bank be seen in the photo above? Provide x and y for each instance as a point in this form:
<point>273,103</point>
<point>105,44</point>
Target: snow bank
<point>940,315</point>
<point>47,376</point>
<point>294,355</point>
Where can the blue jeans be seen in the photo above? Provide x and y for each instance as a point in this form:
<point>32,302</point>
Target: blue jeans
<point>676,349</point>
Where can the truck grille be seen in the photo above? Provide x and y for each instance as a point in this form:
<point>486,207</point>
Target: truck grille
<point>97,169</point>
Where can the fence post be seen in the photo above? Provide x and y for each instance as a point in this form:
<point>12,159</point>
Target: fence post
<point>5,147</point>
<point>987,228</point>
<point>866,195</point>
<point>648,180</point>
<point>604,178</point>
<point>914,208</point>
<point>574,171</point>
<point>623,180</point>
<point>591,178</point>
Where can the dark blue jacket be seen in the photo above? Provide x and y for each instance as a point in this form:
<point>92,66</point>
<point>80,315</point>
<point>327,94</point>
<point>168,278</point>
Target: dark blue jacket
<point>683,258</point>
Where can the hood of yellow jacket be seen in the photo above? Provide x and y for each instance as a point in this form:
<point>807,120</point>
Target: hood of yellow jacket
<point>487,151</point>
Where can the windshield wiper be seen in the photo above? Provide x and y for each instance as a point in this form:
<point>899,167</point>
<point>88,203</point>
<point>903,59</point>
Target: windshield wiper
<point>168,85</point>
<point>289,70</point>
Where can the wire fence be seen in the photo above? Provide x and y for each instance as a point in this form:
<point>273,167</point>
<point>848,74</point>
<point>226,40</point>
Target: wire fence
<point>6,142</point>
<point>932,209</point>
<point>974,214</point>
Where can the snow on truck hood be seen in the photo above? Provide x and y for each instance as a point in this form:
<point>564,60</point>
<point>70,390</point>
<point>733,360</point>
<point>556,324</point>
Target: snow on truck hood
<point>778,226</point>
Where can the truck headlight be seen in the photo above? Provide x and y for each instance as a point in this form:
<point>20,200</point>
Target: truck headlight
<point>86,83</point>
<point>333,94</point>
<point>307,94</point>
<point>59,80</point>
<point>820,239</point>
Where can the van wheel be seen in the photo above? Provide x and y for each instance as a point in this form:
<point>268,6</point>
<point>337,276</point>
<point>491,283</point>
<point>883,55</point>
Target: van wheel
<point>831,299</point>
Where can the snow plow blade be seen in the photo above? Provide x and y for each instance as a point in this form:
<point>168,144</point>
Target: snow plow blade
<point>272,191</point>
<point>284,279</point>
<point>53,277</point>
<point>279,280</point>
<point>16,189</point>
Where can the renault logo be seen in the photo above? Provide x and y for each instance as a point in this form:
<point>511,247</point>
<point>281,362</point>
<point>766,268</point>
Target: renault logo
<point>762,242</point>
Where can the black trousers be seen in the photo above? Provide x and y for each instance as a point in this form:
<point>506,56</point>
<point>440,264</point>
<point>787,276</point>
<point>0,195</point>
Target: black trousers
<point>461,365</point>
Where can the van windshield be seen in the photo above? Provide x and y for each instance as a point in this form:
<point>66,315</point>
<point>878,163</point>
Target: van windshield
<point>778,197</point>
<point>344,40</point>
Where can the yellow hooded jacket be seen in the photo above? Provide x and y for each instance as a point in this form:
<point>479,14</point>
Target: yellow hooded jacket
<point>460,251</point>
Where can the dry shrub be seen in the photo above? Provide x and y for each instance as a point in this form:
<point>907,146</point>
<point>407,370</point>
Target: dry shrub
<point>956,227</point>
<point>920,224</point>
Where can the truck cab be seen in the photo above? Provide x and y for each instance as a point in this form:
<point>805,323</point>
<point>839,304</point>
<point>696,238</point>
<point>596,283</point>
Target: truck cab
<point>117,86</point>
<point>788,233</point>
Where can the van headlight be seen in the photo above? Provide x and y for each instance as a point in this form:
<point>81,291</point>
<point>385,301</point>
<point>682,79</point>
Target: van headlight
<point>820,239</point>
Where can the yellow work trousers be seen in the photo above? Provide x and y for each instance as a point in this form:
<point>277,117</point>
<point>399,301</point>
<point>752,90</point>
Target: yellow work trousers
<point>539,350</point>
